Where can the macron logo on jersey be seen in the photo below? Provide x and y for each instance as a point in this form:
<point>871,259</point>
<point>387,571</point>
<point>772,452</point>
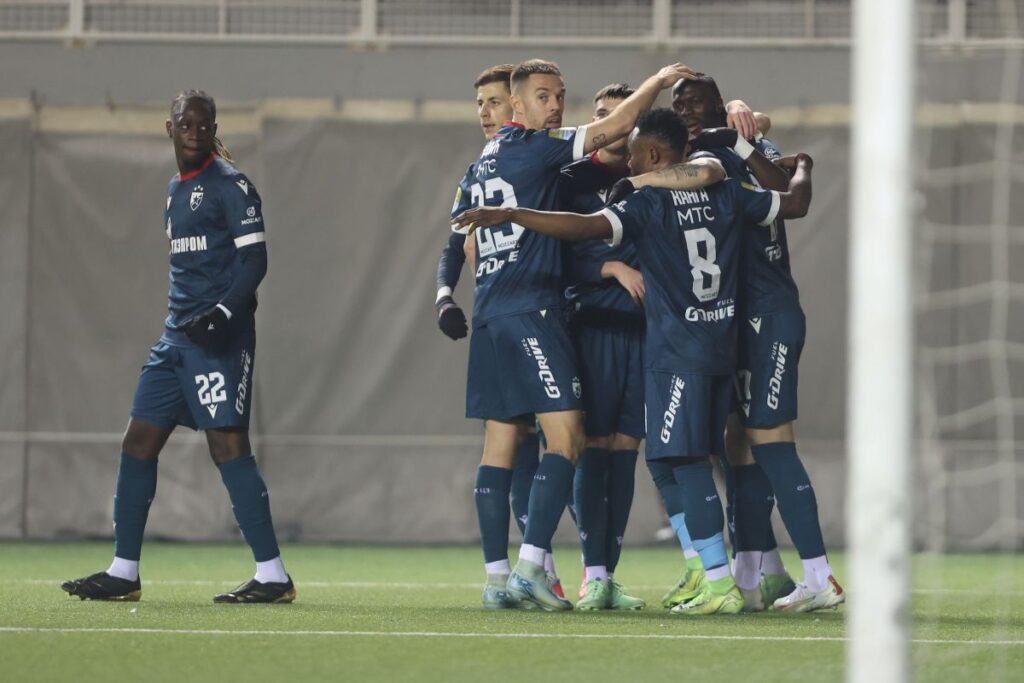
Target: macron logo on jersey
<point>243,186</point>
<point>182,245</point>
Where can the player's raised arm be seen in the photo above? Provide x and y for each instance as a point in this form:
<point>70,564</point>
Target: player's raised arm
<point>564,226</point>
<point>620,122</point>
<point>797,201</point>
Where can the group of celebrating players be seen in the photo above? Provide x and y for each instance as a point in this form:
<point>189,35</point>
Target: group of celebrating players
<point>633,281</point>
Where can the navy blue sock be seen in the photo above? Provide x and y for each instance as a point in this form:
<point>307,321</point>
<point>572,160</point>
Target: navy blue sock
<point>590,494</point>
<point>136,486</point>
<point>752,507</point>
<point>251,505</point>
<point>729,475</point>
<point>492,511</point>
<point>703,508</point>
<point>621,481</point>
<point>798,505</point>
<point>527,459</point>
<point>552,486</point>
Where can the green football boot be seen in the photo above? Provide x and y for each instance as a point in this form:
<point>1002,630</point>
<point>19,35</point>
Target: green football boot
<point>717,597</point>
<point>775,586</point>
<point>619,600</point>
<point>496,595</point>
<point>597,595</point>
<point>528,583</point>
<point>688,587</point>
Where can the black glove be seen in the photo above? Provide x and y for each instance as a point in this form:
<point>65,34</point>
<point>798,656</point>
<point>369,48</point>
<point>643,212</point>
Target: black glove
<point>620,190</point>
<point>209,330</point>
<point>714,138</point>
<point>451,319</point>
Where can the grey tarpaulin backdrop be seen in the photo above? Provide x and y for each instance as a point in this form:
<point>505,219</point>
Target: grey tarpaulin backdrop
<point>358,398</point>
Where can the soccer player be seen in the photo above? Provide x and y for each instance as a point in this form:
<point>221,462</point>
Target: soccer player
<point>688,245</point>
<point>199,374</point>
<point>521,361</point>
<point>607,330</point>
<point>762,451</point>
<point>493,109</point>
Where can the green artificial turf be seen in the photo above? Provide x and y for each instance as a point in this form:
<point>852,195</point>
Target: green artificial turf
<point>412,614</point>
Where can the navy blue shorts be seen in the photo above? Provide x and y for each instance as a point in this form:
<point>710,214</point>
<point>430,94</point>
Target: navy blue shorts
<point>769,355</point>
<point>612,369</point>
<point>686,414</point>
<point>189,386</point>
<point>521,364</point>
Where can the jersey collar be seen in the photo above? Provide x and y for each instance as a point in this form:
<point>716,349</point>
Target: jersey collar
<point>192,174</point>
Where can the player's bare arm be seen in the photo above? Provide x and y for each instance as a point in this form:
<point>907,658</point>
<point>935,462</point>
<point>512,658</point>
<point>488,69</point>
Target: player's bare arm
<point>690,175</point>
<point>620,122</point>
<point>797,201</point>
<point>573,227</point>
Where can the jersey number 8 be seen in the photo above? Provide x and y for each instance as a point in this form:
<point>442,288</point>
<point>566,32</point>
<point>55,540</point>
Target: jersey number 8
<point>701,266</point>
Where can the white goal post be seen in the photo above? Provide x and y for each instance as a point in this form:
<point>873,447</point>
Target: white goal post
<point>879,406</point>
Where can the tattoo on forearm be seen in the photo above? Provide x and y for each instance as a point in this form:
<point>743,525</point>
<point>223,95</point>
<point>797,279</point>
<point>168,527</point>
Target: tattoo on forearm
<point>682,171</point>
<point>599,140</point>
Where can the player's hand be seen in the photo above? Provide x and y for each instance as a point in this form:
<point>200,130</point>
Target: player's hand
<point>209,330</point>
<point>673,73</point>
<point>482,217</point>
<point>632,281</point>
<point>714,138</point>
<point>451,319</point>
<point>711,138</point>
<point>741,117</point>
<point>804,160</point>
<point>620,190</point>
<point>790,163</point>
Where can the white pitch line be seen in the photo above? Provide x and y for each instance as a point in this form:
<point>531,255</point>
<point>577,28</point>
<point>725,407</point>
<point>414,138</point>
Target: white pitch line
<point>442,634</point>
<point>413,585</point>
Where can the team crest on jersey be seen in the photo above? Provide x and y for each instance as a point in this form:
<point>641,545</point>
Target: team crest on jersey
<point>197,197</point>
<point>577,387</point>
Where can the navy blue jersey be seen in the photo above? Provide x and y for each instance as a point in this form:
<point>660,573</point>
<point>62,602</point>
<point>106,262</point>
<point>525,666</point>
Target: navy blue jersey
<point>583,188</point>
<point>688,242</point>
<point>766,283</point>
<point>211,214</point>
<point>517,270</point>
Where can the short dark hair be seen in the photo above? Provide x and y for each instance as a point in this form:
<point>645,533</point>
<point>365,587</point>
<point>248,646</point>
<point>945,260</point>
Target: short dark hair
<point>499,73</point>
<point>665,125</point>
<point>701,79</point>
<point>615,91</point>
<point>524,70</point>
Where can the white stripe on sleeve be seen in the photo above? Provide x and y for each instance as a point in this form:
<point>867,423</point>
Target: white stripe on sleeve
<point>251,238</point>
<point>613,218</point>
<point>773,211</point>
<point>442,293</point>
<point>577,143</point>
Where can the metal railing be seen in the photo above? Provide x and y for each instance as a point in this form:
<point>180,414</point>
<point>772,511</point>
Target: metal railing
<point>638,23</point>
